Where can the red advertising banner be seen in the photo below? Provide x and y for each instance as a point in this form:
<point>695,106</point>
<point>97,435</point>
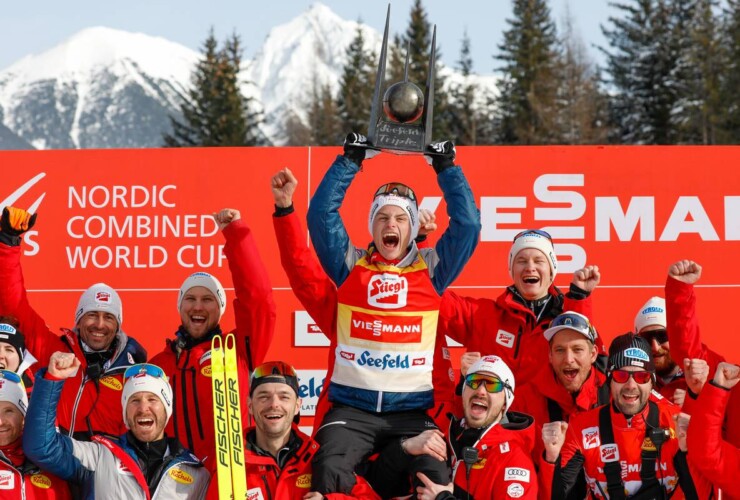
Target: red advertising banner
<point>140,220</point>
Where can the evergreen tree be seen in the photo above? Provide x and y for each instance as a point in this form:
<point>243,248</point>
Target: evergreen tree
<point>324,123</point>
<point>527,106</point>
<point>583,109</point>
<point>729,95</point>
<point>214,111</point>
<point>464,117</point>
<point>641,70</point>
<point>356,87</point>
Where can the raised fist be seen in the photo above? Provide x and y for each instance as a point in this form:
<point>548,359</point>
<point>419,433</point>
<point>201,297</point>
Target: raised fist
<point>587,278</point>
<point>467,360</point>
<point>553,436</point>
<point>283,185</point>
<point>357,148</point>
<point>696,373</point>
<point>63,365</point>
<point>687,271</point>
<point>727,375</point>
<point>13,223</point>
<point>225,217</point>
<point>441,155</point>
<point>427,222</point>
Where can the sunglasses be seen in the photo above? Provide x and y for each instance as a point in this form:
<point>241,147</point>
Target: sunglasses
<point>538,232</point>
<point>660,336</point>
<point>274,368</point>
<point>492,384</point>
<point>575,322</point>
<point>144,369</point>
<point>9,375</point>
<point>622,376</point>
<point>396,188</point>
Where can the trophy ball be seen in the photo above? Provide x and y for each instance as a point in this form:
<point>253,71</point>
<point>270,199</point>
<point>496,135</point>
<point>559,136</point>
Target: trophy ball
<point>403,102</point>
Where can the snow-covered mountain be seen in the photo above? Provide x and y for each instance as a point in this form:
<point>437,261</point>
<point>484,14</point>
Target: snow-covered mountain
<point>104,88</point>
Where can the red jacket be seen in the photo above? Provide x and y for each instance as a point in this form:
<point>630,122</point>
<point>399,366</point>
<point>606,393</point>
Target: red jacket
<point>29,482</point>
<point>81,398</point>
<point>583,447</point>
<point>685,339</point>
<point>318,294</point>
<point>716,459</point>
<point>190,369</point>
<point>267,481</point>
<point>504,468</point>
<point>532,399</point>
<point>506,328</point>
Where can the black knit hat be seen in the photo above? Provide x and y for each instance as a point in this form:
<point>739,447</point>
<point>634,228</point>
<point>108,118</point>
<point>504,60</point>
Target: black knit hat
<point>630,350</point>
<point>11,335</point>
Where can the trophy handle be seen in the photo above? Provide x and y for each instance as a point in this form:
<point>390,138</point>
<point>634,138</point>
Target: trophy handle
<point>379,79</point>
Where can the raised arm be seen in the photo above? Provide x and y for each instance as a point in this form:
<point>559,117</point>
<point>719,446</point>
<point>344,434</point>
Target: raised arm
<point>254,305</point>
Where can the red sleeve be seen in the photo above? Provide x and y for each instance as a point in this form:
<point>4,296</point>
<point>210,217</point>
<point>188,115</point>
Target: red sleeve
<point>254,305</point>
<point>713,457</point>
<point>313,288</point>
<point>40,340</point>
<point>683,325</point>
<point>456,317</point>
<point>508,485</point>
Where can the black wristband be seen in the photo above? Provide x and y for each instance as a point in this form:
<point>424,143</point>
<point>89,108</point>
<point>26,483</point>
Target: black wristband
<point>10,239</point>
<point>577,293</point>
<point>283,211</point>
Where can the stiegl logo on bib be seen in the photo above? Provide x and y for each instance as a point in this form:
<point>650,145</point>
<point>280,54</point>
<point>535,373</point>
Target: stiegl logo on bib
<point>387,291</point>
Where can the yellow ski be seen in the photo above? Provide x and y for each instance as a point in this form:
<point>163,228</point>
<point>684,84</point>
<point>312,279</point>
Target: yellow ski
<point>227,419</point>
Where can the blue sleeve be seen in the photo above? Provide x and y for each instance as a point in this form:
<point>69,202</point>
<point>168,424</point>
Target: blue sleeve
<point>42,444</point>
<point>458,242</point>
<point>328,234</point>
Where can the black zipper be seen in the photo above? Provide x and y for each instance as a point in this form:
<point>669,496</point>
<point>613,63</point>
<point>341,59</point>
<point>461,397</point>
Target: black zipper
<point>267,487</point>
<point>194,374</point>
<point>184,392</point>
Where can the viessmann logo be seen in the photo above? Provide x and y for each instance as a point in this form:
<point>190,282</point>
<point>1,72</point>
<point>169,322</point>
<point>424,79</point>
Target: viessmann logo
<point>387,291</point>
<point>387,329</point>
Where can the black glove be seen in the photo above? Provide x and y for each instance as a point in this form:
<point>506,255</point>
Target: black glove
<point>13,223</point>
<point>357,148</point>
<point>440,155</point>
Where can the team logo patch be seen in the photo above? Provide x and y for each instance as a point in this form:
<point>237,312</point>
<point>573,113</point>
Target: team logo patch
<point>255,494</point>
<point>102,297</point>
<point>451,374</point>
<point>636,353</point>
<point>591,438</point>
<point>648,445</point>
<point>180,476</point>
<point>206,371</point>
<point>479,464</point>
<point>7,480</point>
<point>303,481</point>
<point>387,291</point>
<point>349,356</point>
<point>609,453</point>
<point>122,469</point>
<point>516,474</point>
<point>386,329</point>
<point>6,328</point>
<point>515,490</point>
<point>504,447</point>
<point>505,338</point>
<point>112,383</point>
<point>41,481</point>
<point>205,357</point>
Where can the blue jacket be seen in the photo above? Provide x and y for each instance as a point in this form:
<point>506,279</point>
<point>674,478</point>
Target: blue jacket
<point>338,257</point>
<point>91,465</point>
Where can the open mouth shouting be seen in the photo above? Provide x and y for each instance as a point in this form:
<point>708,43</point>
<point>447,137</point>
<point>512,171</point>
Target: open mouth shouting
<point>391,241</point>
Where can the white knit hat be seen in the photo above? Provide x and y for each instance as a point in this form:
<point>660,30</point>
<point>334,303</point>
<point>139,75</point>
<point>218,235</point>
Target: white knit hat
<point>13,392</point>
<point>100,297</point>
<point>538,242</point>
<point>205,280</point>
<point>652,313</point>
<point>143,382</point>
<point>497,366</point>
<point>408,206</point>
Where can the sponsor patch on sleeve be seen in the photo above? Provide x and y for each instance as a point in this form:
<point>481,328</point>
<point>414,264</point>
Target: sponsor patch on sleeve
<point>516,474</point>
<point>515,490</point>
<point>591,438</point>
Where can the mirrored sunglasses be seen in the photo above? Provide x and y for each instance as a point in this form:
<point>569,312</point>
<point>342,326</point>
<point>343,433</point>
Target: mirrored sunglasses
<point>539,232</point>
<point>492,384</point>
<point>622,376</point>
<point>397,188</point>
<point>144,369</point>
<point>274,368</point>
<point>660,336</point>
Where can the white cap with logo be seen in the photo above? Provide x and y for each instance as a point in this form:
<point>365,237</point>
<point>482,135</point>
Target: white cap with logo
<point>496,366</point>
<point>652,313</point>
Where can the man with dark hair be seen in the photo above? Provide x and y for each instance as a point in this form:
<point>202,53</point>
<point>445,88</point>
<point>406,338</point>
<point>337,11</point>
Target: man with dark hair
<point>628,448</point>
<point>90,402</point>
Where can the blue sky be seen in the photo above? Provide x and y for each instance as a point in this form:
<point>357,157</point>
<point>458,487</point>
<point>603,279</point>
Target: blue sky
<point>34,26</point>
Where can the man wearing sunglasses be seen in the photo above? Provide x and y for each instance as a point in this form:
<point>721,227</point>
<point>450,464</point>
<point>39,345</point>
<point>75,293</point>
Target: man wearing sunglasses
<point>489,449</point>
<point>511,325</point>
<point>90,403</point>
<point>628,448</point>
<point>21,478</point>
<point>143,463</point>
<point>387,310</point>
